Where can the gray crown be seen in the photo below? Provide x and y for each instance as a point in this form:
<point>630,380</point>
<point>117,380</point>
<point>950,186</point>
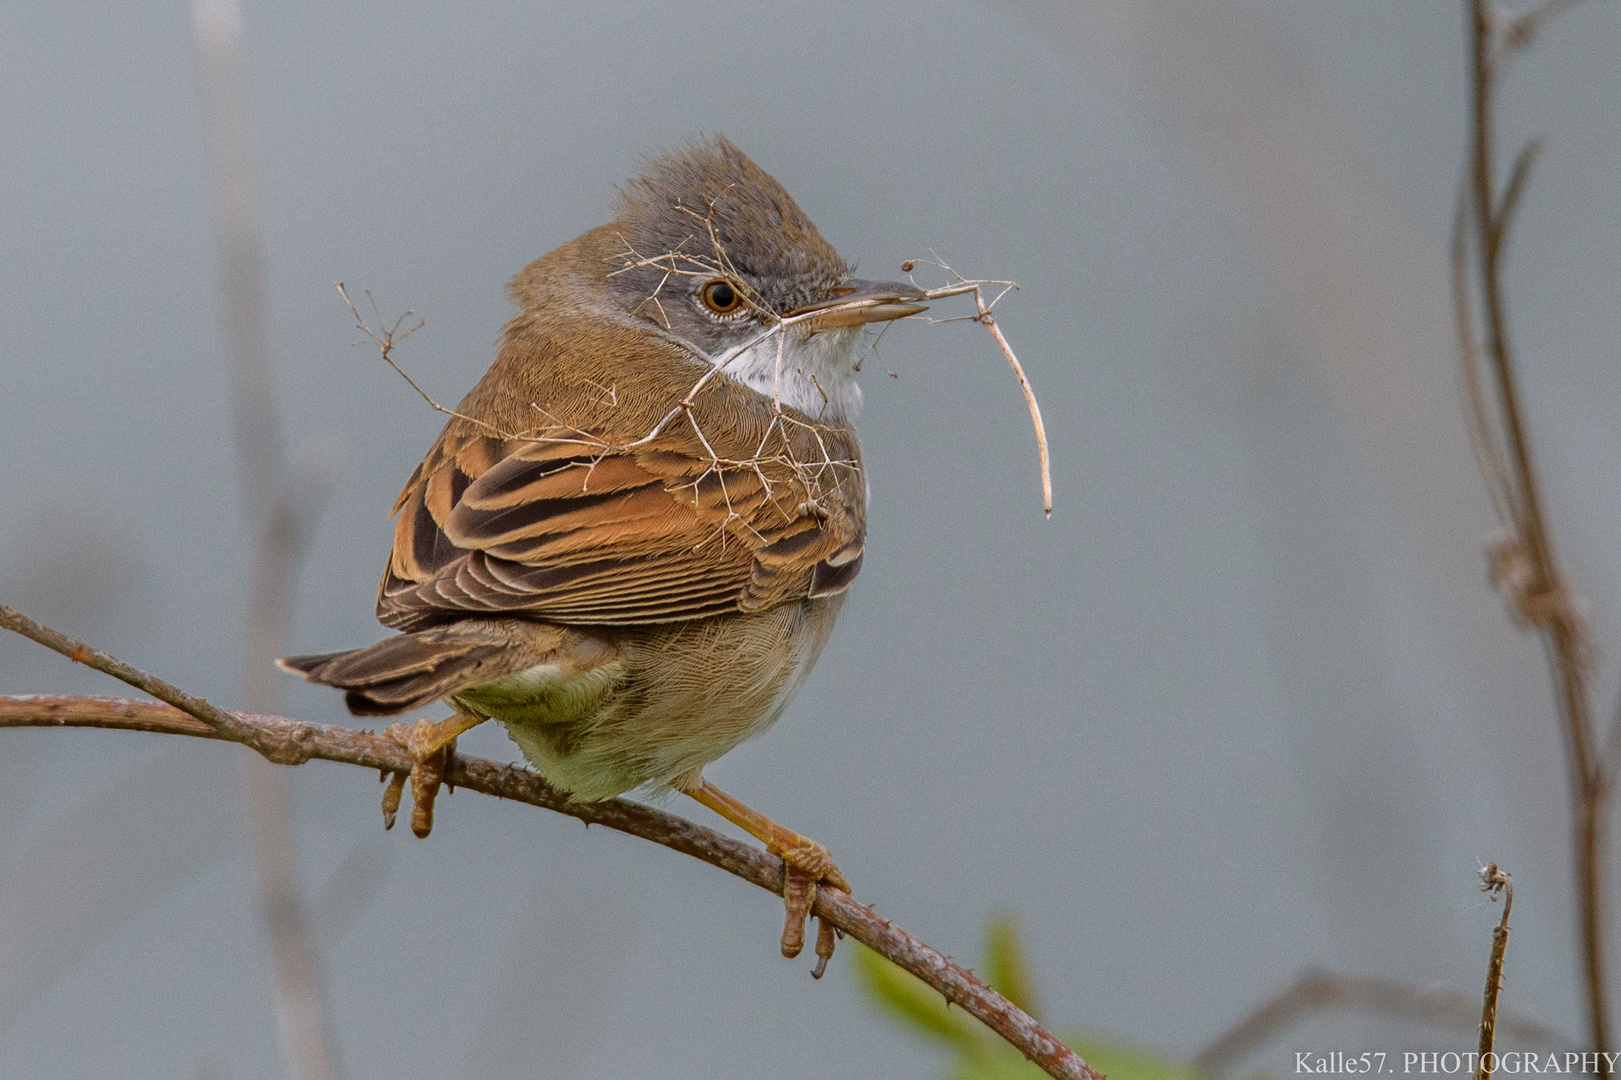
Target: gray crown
<point>766,238</point>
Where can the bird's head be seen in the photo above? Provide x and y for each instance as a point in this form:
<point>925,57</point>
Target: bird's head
<point>712,250</point>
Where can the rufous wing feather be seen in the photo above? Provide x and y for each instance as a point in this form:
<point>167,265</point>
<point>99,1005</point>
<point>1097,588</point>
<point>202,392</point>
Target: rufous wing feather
<point>566,527</point>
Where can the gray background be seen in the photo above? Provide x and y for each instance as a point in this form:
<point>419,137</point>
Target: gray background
<point>1244,705</point>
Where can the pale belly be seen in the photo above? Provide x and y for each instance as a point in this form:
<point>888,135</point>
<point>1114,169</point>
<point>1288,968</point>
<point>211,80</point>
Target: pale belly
<point>673,698</point>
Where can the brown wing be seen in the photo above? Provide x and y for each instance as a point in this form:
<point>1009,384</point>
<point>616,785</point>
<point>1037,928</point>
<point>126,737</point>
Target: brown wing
<point>566,529</point>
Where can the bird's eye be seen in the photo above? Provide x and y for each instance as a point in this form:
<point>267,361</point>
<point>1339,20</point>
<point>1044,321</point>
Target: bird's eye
<point>722,298</point>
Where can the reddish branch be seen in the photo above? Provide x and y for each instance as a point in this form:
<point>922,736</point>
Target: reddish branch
<point>293,742</point>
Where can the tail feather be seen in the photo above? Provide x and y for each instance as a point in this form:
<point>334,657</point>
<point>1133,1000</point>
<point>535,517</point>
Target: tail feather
<point>410,670</point>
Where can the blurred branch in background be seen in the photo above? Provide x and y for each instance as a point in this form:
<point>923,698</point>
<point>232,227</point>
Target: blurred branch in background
<point>1319,991</point>
<point>1291,164</point>
<point>293,742</point>
<point>275,522</point>
<point>1324,991</point>
<point>1523,565</point>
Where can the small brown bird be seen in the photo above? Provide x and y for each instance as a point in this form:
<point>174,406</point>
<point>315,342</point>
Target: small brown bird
<point>631,543</point>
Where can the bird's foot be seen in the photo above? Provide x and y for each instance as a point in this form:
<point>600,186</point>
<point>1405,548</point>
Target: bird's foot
<point>806,866</point>
<point>431,746</point>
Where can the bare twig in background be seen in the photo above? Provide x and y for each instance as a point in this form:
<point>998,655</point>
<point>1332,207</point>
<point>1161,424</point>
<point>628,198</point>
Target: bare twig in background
<point>1493,881</point>
<point>1321,991</point>
<point>1522,560</point>
<point>293,742</point>
<point>273,522</point>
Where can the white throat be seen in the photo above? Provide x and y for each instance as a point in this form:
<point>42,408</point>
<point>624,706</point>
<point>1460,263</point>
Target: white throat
<point>813,373</point>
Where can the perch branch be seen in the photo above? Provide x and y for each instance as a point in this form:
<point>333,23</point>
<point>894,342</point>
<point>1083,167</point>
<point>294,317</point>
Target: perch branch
<point>293,742</point>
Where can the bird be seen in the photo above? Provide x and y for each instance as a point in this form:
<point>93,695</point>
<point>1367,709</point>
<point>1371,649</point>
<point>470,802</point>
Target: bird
<point>633,537</point>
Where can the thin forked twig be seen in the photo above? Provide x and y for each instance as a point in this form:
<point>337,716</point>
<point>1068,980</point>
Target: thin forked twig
<point>293,742</point>
<point>1493,881</point>
<point>387,337</point>
<point>680,262</point>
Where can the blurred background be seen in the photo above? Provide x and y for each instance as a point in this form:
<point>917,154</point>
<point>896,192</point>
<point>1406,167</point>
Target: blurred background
<point>1245,705</point>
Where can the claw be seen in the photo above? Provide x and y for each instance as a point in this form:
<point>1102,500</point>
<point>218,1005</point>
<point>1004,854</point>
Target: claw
<point>391,797</point>
<point>824,947</point>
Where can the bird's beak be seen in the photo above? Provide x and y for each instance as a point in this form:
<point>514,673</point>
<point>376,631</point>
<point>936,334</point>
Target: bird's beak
<point>856,303</point>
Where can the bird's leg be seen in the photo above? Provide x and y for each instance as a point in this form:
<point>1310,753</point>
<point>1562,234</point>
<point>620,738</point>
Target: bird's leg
<point>430,745</point>
<point>806,862</point>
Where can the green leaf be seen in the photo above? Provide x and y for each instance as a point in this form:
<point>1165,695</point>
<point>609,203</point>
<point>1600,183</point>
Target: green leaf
<point>915,1004</point>
<point>1117,1061</point>
<point>980,1054</point>
<point>1006,968</point>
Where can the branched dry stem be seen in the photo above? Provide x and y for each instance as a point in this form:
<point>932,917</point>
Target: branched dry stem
<point>1522,560</point>
<point>961,286</point>
<point>293,742</point>
<point>1522,566</point>
<point>386,337</point>
<point>777,443</point>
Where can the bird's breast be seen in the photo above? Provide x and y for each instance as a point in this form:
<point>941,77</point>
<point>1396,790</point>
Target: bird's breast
<point>681,695</point>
